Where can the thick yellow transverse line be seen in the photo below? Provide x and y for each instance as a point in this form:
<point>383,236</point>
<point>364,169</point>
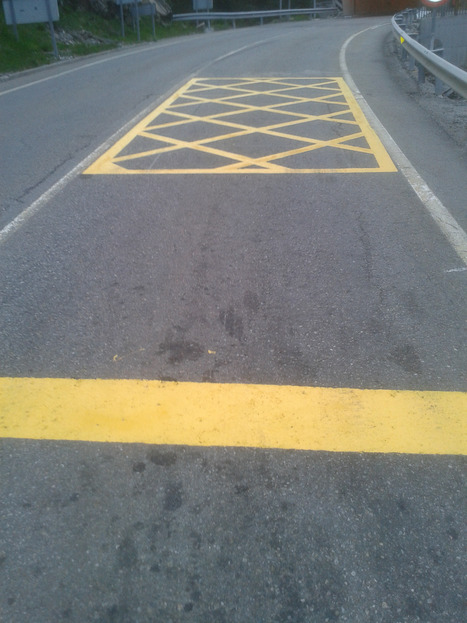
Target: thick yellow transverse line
<point>210,414</point>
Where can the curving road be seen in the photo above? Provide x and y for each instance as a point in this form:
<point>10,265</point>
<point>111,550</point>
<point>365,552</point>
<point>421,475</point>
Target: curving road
<point>232,336</point>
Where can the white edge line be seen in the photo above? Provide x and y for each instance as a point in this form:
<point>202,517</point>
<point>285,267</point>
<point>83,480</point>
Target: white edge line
<point>107,59</point>
<point>451,229</point>
<point>113,57</point>
<point>36,205</point>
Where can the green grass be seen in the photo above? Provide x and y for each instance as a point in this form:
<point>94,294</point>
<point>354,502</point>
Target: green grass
<point>34,47</point>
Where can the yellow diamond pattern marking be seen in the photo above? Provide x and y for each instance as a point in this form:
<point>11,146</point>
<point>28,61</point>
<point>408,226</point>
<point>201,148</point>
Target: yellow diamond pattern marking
<point>251,125</point>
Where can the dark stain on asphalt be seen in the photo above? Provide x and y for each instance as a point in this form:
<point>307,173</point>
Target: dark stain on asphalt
<point>87,478</point>
<point>413,608</point>
<point>179,350</point>
<point>116,614</point>
<point>164,458</point>
<point>241,489</point>
<point>402,506</point>
<point>407,358</point>
<point>173,496</point>
<point>232,323</point>
<point>139,467</point>
<point>251,302</point>
<point>127,555</point>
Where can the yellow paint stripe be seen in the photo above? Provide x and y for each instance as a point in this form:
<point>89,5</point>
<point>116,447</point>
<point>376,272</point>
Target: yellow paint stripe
<point>103,164</point>
<point>208,414</point>
<point>380,153</point>
<point>109,168</point>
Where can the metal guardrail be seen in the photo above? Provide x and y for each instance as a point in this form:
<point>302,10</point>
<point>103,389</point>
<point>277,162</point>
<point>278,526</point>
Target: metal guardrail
<point>210,16</point>
<point>453,76</point>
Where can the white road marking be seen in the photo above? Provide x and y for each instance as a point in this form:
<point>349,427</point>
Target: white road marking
<point>34,207</point>
<point>108,59</point>
<point>114,57</point>
<point>454,233</point>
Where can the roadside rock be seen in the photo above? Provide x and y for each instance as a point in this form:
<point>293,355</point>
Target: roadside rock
<point>73,37</point>
<point>101,7</point>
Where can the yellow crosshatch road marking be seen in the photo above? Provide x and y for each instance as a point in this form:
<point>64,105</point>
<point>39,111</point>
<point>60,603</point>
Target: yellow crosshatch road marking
<point>251,125</point>
<point>214,414</point>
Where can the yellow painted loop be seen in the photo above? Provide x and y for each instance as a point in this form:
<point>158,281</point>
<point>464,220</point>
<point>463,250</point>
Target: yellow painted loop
<point>211,414</point>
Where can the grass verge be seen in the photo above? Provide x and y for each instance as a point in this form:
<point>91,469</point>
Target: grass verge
<point>78,33</point>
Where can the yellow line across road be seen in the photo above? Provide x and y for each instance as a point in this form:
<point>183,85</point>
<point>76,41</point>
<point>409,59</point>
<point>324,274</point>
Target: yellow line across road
<point>211,414</point>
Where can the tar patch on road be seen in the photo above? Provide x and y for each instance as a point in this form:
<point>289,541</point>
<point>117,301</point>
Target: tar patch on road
<point>251,125</point>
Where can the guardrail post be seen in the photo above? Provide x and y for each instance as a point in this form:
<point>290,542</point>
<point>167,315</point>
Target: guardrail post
<point>421,73</point>
<point>429,59</point>
<point>313,15</point>
<point>440,86</point>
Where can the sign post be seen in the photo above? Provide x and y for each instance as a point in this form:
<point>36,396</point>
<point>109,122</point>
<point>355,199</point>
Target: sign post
<point>122,22</point>
<point>137,20</point>
<point>122,19</point>
<point>51,27</point>
<point>13,20</point>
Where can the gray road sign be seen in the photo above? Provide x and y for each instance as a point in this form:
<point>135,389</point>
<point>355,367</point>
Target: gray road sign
<point>29,11</point>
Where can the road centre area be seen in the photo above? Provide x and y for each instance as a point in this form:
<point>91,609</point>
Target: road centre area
<point>242,126</point>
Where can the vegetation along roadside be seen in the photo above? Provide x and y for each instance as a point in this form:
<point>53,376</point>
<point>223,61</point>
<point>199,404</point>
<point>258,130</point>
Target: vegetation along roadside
<point>89,26</point>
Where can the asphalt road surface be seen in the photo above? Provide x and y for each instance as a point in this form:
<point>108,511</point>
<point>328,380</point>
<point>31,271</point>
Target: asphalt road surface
<point>232,335</point>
